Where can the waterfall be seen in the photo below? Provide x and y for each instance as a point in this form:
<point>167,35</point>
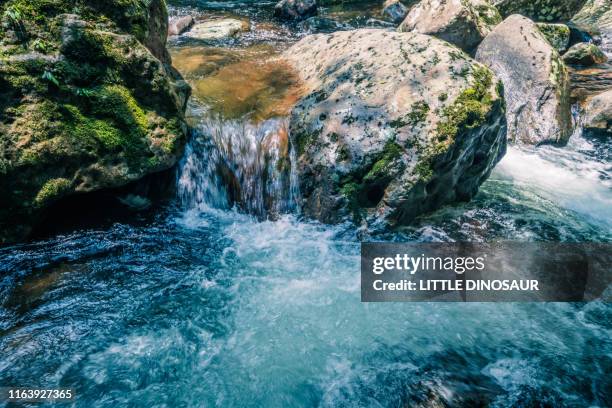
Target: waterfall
<point>241,164</point>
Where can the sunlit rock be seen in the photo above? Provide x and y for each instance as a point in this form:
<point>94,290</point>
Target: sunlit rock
<point>392,125</point>
<point>536,81</point>
<point>217,29</point>
<point>463,23</point>
<point>598,115</point>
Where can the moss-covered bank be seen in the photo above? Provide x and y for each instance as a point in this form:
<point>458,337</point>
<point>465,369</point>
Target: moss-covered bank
<point>88,101</point>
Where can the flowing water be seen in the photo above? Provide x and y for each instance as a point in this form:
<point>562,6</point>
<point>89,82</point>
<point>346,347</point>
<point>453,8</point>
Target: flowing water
<point>227,298</point>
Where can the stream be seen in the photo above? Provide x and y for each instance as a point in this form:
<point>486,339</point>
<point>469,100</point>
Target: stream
<point>226,297</point>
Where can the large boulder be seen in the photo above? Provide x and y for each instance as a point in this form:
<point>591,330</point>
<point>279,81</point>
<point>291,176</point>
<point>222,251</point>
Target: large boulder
<point>540,10</point>
<point>535,79</point>
<point>392,125</point>
<point>584,54</point>
<point>295,9</point>
<point>464,23</point>
<point>558,35</point>
<point>88,102</point>
<point>597,119</point>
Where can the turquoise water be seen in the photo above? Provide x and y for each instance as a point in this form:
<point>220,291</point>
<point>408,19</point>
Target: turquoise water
<point>207,307</point>
<point>199,305</point>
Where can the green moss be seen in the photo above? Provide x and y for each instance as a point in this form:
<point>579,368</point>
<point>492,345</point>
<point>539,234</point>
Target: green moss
<point>52,190</point>
<point>417,114</point>
<point>391,152</point>
<point>558,35</point>
<point>488,14</point>
<point>115,120</point>
<point>356,187</point>
<point>470,108</point>
<point>423,170</point>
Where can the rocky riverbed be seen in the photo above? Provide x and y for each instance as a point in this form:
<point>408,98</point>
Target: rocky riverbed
<point>205,250</point>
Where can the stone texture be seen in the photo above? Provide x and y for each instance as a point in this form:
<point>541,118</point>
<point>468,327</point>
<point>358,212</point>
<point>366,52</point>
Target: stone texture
<point>558,35</point>
<point>295,9</point>
<point>535,79</point>
<point>392,125</point>
<point>598,115</point>
<point>584,54</point>
<point>394,10</point>
<point>540,10</point>
<point>87,103</point>
<point>595,15</point>
<point>217,29</point>
<point>178,25</point>
<point>463,23</point>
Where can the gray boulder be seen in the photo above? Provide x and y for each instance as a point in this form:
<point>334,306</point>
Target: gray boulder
<point>394,10</point>
<point>535,79</point>
<point>598,115</point>
<point>462,23</point>
<point>217,29</point>
<point>584,54</point>
<point>540,10</point>
<point>392,125</point>
<point>178,25</point>
<point>295,9</point>
<point>595,17</point>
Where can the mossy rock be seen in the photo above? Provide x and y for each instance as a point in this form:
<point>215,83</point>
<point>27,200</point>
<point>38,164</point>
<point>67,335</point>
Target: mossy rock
<point>392,125</point>
<point>558,35</point>
<point>540,10</point>
<point>87,102</point>
<point>584,54</point>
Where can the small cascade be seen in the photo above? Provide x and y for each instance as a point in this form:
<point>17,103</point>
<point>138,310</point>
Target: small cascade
<point>241,164</point>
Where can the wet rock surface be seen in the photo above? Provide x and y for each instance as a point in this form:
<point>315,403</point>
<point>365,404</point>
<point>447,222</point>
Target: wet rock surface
<point>217,29</point>
<point>540,10</point>
<point>462,23</point>
<point>295,9</point>
<point>598,115</point>
<point>584,54</point>
<point>392,125</point>
<point>395,10</point>
<point>536,81</point>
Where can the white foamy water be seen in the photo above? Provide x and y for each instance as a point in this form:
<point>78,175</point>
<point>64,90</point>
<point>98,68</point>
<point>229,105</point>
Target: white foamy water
<point>566,177</point>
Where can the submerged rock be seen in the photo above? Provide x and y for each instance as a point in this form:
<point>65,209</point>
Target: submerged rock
<point>535,79</point>
<point>178,25</point>
<point>395,10</point>
<point>86,104</point>
<point>217,29</point>
<point>540,10</point>
<point>318,24</point>
<point>558,35</point>
<point>295,9</point>
<point>584,54</point>
<point>392,125</point>
<point>463,23</point>
<point>598,115</point>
